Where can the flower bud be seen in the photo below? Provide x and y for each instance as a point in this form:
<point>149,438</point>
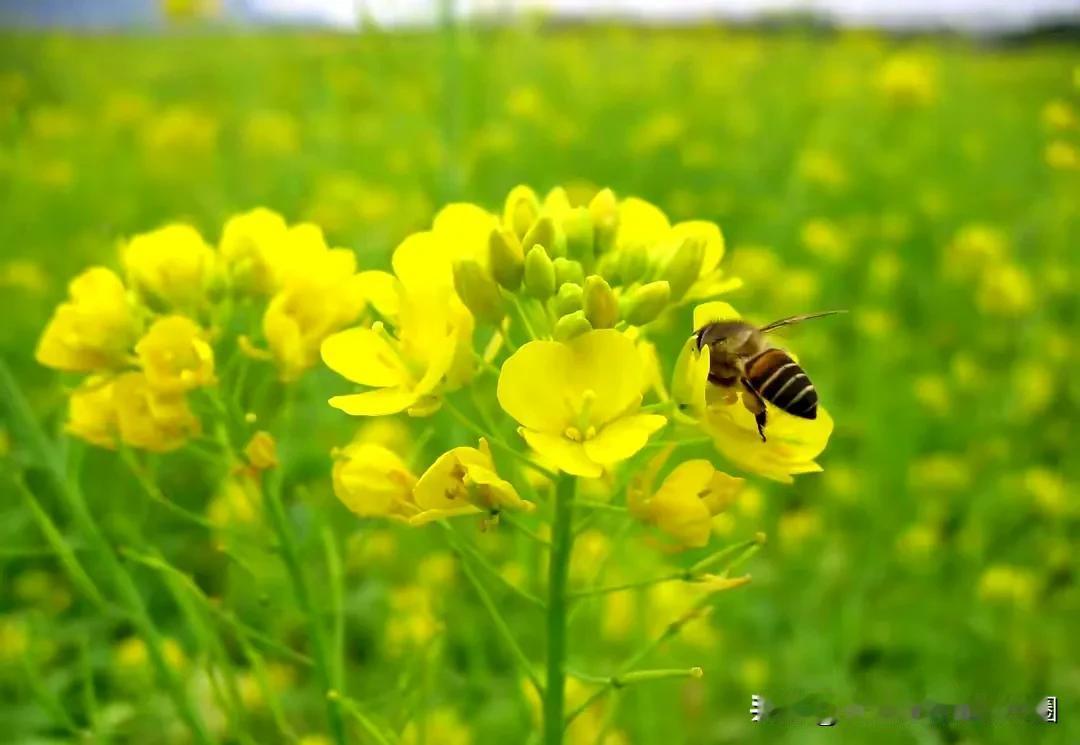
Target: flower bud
<point>601,305</point>
<point>261,451</point>
<point>521,210</point>
<point>567,270</point>
<point>568,299</point>
<point>633,262</point>
<point>577,225</point>
<point>604,210</point>
<point>539,273</point>
<point>506,259</point>
<point>478,291</point>
<point>544,232</point>
<point>571,325</point>
<point>607,266</point>
<point>646,303</point>
<point>684,267</point>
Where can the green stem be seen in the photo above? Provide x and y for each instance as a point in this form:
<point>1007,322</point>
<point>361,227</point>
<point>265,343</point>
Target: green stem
<point>501,625</point>
<point>562,540</point>
<point>624,675</point>
<point>291,556</point>
<point>48,459</point>
<point>462,546</point>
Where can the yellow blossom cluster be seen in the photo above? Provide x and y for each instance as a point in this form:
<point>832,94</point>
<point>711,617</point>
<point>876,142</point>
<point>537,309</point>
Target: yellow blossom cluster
<point>146,340</point>
<point>557,298</point>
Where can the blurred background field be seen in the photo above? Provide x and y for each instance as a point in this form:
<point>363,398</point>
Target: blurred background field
<point>930,184</point>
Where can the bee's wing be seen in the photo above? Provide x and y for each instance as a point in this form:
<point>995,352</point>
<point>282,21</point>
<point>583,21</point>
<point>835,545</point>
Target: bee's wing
<point>790,320</point>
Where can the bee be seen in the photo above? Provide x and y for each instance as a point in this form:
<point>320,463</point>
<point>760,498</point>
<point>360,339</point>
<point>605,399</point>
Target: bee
<point>741,355</point>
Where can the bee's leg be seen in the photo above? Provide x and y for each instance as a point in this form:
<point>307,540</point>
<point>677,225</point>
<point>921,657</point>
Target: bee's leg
<point>755,405</point>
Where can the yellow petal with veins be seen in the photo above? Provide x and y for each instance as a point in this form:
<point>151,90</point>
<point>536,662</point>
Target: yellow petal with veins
<point>623,437</point>
<point>531,386</point>
<point>364,356</point>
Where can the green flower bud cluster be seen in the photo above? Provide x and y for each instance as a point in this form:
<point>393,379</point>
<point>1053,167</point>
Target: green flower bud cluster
<point>607,264</point>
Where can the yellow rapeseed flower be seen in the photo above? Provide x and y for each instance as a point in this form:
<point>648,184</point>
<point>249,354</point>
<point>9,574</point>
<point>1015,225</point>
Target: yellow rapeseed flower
<point>251,249</point>
<point>94,329</point>
<point>261,451</point>
<point>571,408</point>
<point>373,481</point>
<point>793,443</point>
<point>430,350</point>
<point>686,501</point>
<point>175,355</point>
<point>908,80</point>
<point>148,419</point>
<point>441,725</point>
<point>463,481</point>
<point>172,266</point>
<point>320,294</point>
<point>92,413</point>
<point>1005,290</point>
<point>237,502</point>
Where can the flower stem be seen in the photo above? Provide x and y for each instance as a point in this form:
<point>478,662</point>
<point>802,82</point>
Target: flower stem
<point>562,540</point>
<point>290,554</point>
<point>67,487</point>
<point>501,625</point>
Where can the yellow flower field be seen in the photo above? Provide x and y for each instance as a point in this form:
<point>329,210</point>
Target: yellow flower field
<point>416,387</point>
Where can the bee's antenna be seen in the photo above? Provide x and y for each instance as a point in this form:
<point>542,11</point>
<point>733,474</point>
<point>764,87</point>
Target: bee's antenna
<point>790,320</point>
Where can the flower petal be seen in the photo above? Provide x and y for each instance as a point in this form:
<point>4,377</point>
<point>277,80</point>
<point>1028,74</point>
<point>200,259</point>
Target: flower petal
<point>565,454</point>
<point>710,233</point>
<point>714,311</point>
<point>364,356</point>
<point>790,449</point>
<point>375,403</point>
<point>382,291</point>
<point>640,223</point>
<point>623,437</point>
<point>606,362</point>
<point>690,378</point>
<point>531,386</point>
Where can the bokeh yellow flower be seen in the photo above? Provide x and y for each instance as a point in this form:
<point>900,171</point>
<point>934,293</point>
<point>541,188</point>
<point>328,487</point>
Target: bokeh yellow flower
<point>251,249</point>
<point>175,355</point>
<point>572,409</point>
<point>94,329</point>
<point>148,419</point>
<point>238,501</point>
<point>172,266</point>
<point>441,725</point>
<point>320,294</point>
<point>261,451</point>
<point>92,413</point>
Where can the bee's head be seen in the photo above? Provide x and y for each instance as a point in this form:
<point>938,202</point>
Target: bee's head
<point>699,337</point>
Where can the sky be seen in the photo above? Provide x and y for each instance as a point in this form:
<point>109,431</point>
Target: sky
<point>967,14</point>
<point>970,15</point>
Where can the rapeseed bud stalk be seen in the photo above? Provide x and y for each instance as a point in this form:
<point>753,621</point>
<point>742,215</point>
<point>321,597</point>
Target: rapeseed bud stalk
<point>549,316</point>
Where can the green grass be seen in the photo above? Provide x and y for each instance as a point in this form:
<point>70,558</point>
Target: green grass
<point>954,419</point>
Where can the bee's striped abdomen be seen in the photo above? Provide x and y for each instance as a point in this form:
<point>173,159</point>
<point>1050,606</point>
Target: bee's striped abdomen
<point>779,380</point>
